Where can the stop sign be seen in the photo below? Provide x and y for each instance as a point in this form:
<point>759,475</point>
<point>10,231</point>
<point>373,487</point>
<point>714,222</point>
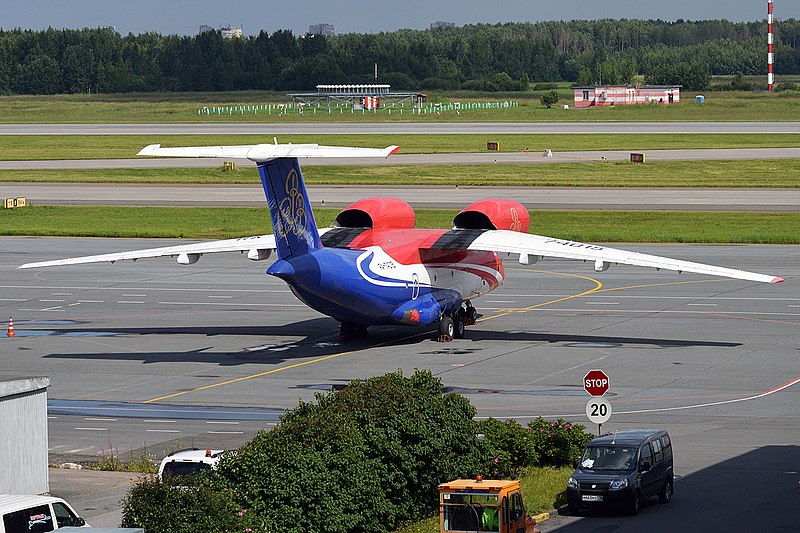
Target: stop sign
<point>596,382</point>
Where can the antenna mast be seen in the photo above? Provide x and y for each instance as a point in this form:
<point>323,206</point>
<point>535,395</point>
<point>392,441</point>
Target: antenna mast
<point>770,55</point>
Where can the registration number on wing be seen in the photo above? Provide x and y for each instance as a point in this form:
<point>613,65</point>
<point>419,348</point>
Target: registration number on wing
<point>592,498</point>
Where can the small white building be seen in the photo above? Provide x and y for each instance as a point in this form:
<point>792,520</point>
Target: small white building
<point>608,95</point>
<point>23,435</point>
<point>230,32</point>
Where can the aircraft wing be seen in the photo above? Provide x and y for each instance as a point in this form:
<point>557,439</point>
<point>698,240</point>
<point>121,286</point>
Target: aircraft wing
<point>264,152</point>
<point>257,247</point>
<point>531,247</point>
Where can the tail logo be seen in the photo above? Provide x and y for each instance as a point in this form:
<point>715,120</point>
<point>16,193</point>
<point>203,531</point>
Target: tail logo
<point>292,208</point>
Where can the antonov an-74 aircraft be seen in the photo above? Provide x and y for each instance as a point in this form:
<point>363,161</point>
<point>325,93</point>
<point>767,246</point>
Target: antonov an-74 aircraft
<point>373,266</point>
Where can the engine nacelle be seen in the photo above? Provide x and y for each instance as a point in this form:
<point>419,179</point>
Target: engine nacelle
<point>494,213</point>
<point>377,213</point>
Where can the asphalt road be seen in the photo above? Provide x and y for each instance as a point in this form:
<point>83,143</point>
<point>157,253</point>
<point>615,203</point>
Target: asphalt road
<point>709,359</point>
<point>503,158</point>
<point>401,128</point>
<point>535,198</point>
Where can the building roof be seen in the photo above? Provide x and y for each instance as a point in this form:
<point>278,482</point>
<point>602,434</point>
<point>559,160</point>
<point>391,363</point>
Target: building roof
<point>627,86</point>
<point>13,385</point>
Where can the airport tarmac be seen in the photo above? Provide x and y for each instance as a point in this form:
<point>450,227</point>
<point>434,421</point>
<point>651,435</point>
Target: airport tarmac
<point>337,196</point>
<point>165,355</point>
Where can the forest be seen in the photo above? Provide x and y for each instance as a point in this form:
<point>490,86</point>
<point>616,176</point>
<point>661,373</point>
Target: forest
<point>474,57</point>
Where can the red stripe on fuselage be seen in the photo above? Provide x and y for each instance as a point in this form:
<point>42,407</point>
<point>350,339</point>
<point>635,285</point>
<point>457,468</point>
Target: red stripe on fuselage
<point>413,246</point>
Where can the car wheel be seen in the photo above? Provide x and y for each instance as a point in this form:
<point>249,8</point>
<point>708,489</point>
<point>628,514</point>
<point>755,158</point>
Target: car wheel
<point>633,507</point>
<point>574,510</point>
<point>665,496</point>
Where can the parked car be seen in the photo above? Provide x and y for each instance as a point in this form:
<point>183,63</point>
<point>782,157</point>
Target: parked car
<point>621,470</point>
<point>22,513</point>
<point>188,462</point>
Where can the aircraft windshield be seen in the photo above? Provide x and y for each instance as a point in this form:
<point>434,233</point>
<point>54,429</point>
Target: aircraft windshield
<point>608,458</point>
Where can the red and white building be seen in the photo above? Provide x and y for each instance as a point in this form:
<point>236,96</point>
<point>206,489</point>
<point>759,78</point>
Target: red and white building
<point>607,95</point>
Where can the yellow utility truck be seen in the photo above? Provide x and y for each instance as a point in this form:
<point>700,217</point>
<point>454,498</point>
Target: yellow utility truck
<point>468,505</point>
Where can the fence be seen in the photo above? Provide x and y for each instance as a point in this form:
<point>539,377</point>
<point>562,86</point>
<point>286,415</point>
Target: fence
<point>302,109</point>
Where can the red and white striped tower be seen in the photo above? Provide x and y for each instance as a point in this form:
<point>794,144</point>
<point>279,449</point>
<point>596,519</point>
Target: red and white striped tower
<point>770,55</point>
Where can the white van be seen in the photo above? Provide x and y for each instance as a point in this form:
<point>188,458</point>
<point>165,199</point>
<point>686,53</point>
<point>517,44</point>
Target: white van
<point>188,462</point>
<point>32,514</point>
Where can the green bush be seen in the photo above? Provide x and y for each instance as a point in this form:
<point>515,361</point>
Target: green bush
<point>549,99</point>
<point>192,506</point>
<point>558,443</point>
<point>362,459</point>
<point>507,448</point>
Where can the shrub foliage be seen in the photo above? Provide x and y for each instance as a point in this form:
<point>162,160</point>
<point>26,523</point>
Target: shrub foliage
<point>367,458</point>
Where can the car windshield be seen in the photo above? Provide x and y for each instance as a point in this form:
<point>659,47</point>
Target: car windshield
<point>608,458</point>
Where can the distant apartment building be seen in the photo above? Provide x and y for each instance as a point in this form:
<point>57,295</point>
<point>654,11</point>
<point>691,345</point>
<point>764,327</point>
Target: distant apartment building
<point>322,29</point>
<point>440,25</point>
<point>229,32</point>
<point>608,95</point>
<point>205,29</point>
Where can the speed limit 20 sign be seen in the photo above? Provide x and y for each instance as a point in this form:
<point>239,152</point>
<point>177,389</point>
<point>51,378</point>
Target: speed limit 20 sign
<point>598,410</point>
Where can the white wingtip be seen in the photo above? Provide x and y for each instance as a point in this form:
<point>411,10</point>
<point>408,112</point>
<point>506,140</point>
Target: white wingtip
<point>149,150</point>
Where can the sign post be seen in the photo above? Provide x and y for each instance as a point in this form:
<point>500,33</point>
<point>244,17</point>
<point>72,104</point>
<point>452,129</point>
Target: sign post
<point>598,410</point>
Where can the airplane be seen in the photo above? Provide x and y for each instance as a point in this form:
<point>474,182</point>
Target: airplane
<point>372,266</point>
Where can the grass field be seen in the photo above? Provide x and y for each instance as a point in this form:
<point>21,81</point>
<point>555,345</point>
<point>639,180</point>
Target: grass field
<point>183,107</point>
<point>778,173</point>
<point>218,223</point>
<point>44,147</point>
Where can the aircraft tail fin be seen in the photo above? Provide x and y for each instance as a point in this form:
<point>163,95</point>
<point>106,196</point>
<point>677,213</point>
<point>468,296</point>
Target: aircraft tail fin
<point>292,218</point>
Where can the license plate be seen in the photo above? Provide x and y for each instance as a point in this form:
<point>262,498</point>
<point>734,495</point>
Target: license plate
<point>592,498</point>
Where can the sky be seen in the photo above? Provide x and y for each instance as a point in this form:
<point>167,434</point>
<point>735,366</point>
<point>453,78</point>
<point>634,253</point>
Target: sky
<point>184,17</point>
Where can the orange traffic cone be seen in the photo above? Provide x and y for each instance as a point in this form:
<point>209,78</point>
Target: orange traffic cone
<point>10,327</point>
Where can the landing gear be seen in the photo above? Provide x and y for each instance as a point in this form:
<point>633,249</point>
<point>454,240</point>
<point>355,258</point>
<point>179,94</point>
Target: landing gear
<point>446,329</point>
<point>470,314</point>
<point>348,331</point>
<point>453,327</point>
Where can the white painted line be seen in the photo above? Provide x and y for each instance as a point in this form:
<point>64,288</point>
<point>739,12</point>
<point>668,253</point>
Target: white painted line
<point>52,300</point>
<point>162,430</point>
<point>704,305</point>
<point>52,417</point>
<point>13,299</point>
<point>220,422</point>
<point>128,302</point>
<point>227,432</point>
<point>90,301</point>
<point>91,429</point>
<point>56,308</point>
<point>160,421</point>
<point>101,419</point>
<point>228,297</point>
<point>73,305</point>
<point>53,448</point>
<point>793,306</point>
<point>134,296</point>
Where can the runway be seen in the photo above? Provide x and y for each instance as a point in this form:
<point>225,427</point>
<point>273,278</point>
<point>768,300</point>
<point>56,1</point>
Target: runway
<point>536,198</point>
<point>370,128</point>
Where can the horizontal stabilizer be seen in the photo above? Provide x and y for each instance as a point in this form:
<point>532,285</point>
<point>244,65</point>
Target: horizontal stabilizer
<point>260,153</point>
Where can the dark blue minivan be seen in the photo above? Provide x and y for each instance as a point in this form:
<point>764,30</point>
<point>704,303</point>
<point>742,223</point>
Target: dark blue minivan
<point>621,469</point>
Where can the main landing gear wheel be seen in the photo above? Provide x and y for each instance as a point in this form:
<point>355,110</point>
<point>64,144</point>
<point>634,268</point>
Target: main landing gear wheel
<point>458,326</point>
<point>470,314</point>
<point>446,329</point>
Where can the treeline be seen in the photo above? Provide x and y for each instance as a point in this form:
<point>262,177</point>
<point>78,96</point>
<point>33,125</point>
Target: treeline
<point>469,57</point>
